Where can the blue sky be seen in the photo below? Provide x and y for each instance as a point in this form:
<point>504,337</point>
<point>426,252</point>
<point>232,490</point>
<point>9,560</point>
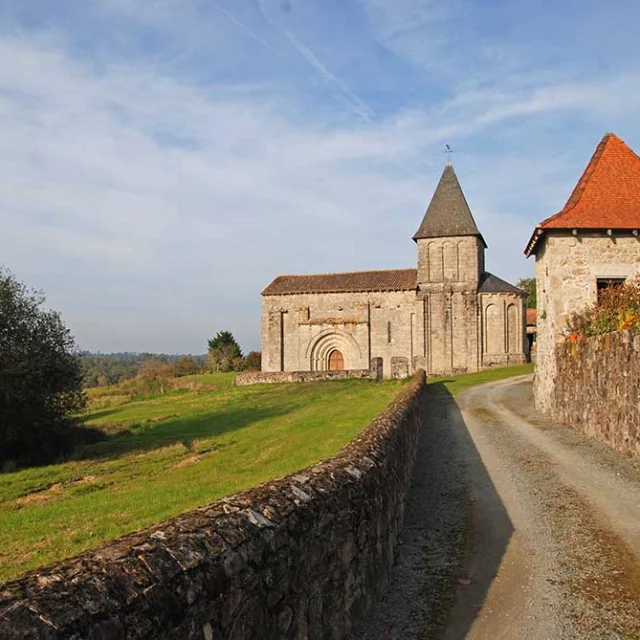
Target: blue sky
<point>161,161</point>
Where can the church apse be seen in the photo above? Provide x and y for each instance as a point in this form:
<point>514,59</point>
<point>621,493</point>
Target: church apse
<point>503,330</point>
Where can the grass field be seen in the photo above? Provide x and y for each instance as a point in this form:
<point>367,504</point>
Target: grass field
<point>186,448</point>
<point>456,384</point>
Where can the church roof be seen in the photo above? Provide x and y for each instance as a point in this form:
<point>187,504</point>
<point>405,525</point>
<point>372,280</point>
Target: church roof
<point>448,213</point>
<point>607,195</point>
<point>492,284</point>
<point>352,282</point>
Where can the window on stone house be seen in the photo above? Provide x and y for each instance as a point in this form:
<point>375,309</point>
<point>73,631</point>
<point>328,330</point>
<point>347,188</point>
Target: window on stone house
<point>389,332</point>
<point>602,284</point>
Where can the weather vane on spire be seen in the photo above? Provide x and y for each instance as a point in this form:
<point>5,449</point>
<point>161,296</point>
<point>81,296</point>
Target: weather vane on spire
<point>448,151</point>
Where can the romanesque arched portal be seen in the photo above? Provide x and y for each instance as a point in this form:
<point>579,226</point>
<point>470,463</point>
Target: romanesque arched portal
<point>333,350</point>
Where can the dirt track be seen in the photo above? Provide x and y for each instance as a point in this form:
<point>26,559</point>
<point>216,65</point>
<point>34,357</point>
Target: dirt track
<point>515,528</point>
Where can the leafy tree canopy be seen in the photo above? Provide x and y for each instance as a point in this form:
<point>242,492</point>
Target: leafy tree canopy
<point>529,285</point>
<point>225,353</point>
<point>253,361</point>
<point>224,339</point>
<point>40,376</point>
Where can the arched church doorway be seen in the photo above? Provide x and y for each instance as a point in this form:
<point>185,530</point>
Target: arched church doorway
<point>336,361</point>
<point>334,351</point>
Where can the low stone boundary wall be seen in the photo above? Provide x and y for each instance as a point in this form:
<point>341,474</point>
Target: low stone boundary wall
<point>272,377</point>
<point>597,389</point>
<point>302,556</point>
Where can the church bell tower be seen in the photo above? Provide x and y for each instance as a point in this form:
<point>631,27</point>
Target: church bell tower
<point>450,247</point>
<point>450,267</point>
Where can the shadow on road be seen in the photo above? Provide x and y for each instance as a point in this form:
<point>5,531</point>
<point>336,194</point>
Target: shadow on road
<point>454,519</point>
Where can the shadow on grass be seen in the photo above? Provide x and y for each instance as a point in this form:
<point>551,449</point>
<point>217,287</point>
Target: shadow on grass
<point>179,430</point>
<point>455,533</point>
<point>108,441</point>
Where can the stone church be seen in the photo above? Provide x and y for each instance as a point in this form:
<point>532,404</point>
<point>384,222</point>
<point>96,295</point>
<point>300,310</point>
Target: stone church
<point>446,316</point>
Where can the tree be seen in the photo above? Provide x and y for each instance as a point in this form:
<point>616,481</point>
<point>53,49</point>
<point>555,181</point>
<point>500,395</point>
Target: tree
<point>153,367</point>
<point>529,285</point>
<point>40,377</point>
<point>224,352</point>
<point>185,366</point>
<point>253,361</point>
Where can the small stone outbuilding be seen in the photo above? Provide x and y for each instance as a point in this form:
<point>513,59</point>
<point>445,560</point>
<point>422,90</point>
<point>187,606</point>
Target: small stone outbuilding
<point>591,244</point>
<point>532,330</point>
<point>447,315</point>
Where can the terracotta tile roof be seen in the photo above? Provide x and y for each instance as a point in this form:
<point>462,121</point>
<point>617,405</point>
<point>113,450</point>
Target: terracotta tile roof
<point>532,317</point>
<point>492,284</point>
<point>357,281</point>
<point>607,195</point>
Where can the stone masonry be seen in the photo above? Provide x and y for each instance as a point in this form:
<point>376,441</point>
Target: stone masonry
<point>594,241</point>
<point>598,387</point>
<point>303,556</point>
<point>247,378</point>
<point>447,315</point>
<point>567,271</point>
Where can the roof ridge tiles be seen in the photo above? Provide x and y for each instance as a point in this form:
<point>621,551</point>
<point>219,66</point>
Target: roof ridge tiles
<point>607,195</point>
<point>344,282</point>
<point>340,273</point>
<point>581,185</point>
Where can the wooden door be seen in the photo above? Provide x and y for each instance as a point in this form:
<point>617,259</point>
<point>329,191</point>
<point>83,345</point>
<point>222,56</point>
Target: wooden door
<point>336,361</point>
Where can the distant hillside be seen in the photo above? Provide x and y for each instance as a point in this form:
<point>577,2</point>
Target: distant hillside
<point>101,369</point>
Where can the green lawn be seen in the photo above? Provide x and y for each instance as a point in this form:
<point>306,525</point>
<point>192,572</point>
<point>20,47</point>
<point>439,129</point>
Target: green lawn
<point>456,384</point>
<point>177,451</point>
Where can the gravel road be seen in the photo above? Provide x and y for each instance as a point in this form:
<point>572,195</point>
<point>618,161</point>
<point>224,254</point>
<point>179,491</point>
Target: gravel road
<point>515,528</point>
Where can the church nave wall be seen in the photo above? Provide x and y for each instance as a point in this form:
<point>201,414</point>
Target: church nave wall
<point>299,331</point>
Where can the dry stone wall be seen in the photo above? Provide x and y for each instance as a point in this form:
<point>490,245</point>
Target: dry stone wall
<point>273,377</point>
<point>300,557</point>
<point>597,389</point>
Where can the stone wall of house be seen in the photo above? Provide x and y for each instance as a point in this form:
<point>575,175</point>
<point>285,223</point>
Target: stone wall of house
<point>567,269</point>
<point>302,556</point>
<point>597,389</point>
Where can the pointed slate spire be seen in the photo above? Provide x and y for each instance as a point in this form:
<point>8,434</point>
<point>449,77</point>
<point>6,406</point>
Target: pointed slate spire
<point>448,213</point>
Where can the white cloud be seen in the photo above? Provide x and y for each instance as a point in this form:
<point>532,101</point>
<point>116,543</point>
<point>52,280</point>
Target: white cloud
<point>150,207</point>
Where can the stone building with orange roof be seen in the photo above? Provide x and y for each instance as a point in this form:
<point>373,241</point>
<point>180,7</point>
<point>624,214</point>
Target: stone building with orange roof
<point>447,315</point>
<point>591,244</point>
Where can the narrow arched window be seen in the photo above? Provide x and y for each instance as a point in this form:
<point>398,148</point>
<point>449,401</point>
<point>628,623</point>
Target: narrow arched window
<point>389,332</point>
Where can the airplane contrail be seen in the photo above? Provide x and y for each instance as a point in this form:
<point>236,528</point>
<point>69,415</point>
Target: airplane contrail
<point>244,27</point>
<point>358,106</point>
